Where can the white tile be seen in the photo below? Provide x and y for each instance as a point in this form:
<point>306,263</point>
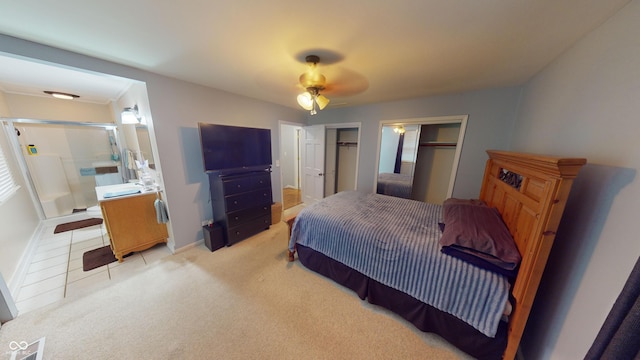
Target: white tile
<point>41,300</point>
<point>78,251</point>
<point>50,244</point>
<point>155,253</point>
<point>88,285</point>
<point>47,263</point>
<point>78,274</point>
<point>89,244</point>
<point>75,264</point>
<point>58,236</point>
<point>131,258</point>
<point>41,287</point>
<point>39,256</point>
<point>86,233</point>
<point>36,276</point>
<point>129,267</point>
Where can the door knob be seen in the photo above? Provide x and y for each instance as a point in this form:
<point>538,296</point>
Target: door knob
<point>320,174</point>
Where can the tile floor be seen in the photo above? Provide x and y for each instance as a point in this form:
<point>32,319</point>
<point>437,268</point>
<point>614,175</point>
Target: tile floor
<point>56,269</point>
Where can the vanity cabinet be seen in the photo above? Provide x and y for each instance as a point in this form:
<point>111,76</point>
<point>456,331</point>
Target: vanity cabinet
<point>132,224</point>
<point>241,203</point>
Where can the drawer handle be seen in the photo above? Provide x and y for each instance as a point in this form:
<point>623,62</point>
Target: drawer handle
<point>264,208</point>
<point>237,232</point>
<point>237,218</point>
<point>238,186</point>
<point>235,202</point>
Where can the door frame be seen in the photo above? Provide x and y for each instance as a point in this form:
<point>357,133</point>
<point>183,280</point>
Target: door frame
<point>350,125</point>
<point>298,160</point>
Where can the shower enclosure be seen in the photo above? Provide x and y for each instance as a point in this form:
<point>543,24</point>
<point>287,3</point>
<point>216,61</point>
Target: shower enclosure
<point>64,161</point>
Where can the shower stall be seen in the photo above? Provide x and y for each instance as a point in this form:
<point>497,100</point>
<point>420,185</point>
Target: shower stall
<point>64,161</point>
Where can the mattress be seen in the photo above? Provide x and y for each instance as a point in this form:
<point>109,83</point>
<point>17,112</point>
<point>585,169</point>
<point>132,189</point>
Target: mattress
<point>394,242</point>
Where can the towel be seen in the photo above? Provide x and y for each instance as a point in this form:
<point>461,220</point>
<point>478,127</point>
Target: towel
<point>161,211</point>
<point>87,171</point>
<point>120,193</point>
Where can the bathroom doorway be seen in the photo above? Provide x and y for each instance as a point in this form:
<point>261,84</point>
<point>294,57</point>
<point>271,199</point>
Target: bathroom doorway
<point>64,161</point>
<point>290,165</point>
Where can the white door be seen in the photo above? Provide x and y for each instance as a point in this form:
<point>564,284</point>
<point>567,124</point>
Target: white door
<point>312,163</point>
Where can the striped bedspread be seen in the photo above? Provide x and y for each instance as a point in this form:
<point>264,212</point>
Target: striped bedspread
<point>395,242</point>
<point>399,185</point>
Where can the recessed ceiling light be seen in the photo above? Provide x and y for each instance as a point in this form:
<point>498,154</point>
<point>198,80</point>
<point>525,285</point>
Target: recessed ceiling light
<point>61,95</point>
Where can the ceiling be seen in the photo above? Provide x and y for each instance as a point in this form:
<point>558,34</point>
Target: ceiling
<point>370,50</point>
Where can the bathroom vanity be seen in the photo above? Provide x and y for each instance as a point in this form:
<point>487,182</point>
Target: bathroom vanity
<point>130,218</point>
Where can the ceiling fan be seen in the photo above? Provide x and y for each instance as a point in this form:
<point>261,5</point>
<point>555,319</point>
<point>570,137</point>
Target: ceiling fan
<point>313,82</point>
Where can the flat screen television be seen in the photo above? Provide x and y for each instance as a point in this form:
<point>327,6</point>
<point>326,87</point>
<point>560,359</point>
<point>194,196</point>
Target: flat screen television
<point>226,147</point>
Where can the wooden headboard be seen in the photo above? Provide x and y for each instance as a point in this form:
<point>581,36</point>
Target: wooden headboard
<point>531,192</point>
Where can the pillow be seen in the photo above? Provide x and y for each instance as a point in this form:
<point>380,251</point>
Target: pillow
<point>475,232</point>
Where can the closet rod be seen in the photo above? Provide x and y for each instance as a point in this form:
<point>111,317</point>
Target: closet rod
<point>347,143</point>
<point>449,144</point>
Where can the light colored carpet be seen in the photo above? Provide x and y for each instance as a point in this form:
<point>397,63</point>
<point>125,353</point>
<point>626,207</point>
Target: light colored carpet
<point>240,302</point>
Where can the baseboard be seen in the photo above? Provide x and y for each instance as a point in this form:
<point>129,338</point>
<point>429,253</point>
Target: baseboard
<point>188,246</point>
<point>25,261</point>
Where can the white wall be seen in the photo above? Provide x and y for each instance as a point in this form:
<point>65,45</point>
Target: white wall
<point>491,114</point>
<point>586,104</point>
<point>36,107</point>
<point>18,217</point>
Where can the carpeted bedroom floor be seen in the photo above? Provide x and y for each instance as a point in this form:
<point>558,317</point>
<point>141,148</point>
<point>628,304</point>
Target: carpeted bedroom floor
<point>240,302</point>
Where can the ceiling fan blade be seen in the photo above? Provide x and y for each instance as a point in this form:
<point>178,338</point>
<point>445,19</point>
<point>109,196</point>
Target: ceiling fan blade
<point>344,82</point>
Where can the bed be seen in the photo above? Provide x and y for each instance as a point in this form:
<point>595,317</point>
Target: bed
<point>393,184</point>
<point>374,244</point>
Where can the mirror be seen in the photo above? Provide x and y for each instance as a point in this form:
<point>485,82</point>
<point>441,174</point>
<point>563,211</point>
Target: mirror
<point>137,147</point>
<point>144,142</point>
<point>398,151</point>
<point>419,157</point>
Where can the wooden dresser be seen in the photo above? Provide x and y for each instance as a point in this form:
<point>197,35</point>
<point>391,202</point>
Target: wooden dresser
<point>132,224</point>
<point>241,203</point>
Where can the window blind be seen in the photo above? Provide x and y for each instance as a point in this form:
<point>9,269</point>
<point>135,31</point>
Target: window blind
<point>8,185</point>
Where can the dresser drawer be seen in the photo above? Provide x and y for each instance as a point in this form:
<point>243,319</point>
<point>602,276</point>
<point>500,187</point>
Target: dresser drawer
<point>240,217</point>
<point>248,199</point>
<point>241,184</point>
<point>247,229</point>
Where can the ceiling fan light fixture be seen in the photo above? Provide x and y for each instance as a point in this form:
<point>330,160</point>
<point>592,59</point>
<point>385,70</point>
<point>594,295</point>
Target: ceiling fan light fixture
<point>312,78</point>
<point>322,101</point>
<point>305,100</point>
<point>314,82</point>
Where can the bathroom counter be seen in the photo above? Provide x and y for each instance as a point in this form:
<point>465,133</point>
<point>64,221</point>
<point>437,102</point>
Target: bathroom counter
<point>118,191</point>
<point>130,218</point>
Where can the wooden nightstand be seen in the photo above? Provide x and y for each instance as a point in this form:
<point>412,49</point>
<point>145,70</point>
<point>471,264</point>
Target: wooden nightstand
<point>290,222</point>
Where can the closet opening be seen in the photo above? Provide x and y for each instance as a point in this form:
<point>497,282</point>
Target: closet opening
<point>418,158</point>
